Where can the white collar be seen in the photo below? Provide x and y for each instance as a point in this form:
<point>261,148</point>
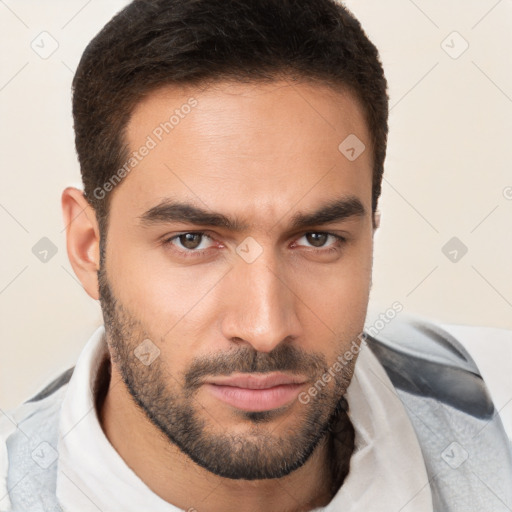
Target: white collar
<point>387,471</point>
<point>91,475</point>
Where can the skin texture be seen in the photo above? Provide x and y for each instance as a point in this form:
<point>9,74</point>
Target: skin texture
<point>260,154</point>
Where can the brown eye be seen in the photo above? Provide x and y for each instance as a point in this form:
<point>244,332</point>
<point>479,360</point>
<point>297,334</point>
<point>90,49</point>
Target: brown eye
<point>191,244</point>
<point>323,241</point>
<point>317,239</point>
<point>191,240</point>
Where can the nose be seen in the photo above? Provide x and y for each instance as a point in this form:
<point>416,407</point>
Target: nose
<point>261,306</point>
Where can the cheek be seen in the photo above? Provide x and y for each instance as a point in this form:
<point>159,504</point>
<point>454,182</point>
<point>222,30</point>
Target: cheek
<point>166,299</point>
<point>341,289</point>
<point>335,302</point>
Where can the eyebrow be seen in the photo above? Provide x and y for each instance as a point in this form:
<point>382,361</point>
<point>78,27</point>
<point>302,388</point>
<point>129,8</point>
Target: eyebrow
<point>169,211</point>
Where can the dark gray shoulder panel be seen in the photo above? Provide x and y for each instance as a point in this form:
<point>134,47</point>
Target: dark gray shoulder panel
<point>422,358</point>
<point>60,381</point>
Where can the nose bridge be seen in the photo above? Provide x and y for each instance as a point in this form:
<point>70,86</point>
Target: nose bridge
<point>261,310</point>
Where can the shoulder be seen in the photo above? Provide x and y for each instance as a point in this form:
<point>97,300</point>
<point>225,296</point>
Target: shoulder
<point>491,349</point>
<point>28,436</point>
<point>45,400</point>
<point>423,358</point>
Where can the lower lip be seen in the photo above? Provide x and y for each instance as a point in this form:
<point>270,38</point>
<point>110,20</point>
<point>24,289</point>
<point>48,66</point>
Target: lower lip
<point>256,399</point>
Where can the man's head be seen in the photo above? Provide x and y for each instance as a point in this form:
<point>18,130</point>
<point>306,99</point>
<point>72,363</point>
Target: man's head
<point>239,241</point>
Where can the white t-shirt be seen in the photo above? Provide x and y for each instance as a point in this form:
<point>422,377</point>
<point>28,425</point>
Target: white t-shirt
<point>387,471</point>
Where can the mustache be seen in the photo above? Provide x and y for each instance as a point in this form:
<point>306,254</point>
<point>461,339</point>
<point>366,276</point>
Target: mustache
<point>284,358</point>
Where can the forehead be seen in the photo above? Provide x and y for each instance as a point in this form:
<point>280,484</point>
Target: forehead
<point>245,146</point>
<point>233,109</point>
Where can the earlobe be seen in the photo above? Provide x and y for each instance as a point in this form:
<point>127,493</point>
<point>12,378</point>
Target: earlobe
<point>82,238</point>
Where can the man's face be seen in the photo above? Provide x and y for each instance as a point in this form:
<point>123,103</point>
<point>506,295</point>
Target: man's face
<point>216,267</point>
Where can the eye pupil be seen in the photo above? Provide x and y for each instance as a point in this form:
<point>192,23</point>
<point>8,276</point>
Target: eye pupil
<point>317,239</point>
<point>190,240</point>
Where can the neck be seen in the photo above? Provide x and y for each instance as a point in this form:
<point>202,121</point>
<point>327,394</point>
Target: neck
<point>175,478</point>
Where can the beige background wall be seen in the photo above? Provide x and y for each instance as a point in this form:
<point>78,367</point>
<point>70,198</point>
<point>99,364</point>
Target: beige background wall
<point>448,171</point>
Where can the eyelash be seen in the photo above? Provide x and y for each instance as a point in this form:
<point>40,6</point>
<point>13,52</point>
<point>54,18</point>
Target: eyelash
<point>193,253</point>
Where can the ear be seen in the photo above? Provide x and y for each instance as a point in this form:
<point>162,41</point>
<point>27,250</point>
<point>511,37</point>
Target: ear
<point>376,221</point>
<point>82,239</point>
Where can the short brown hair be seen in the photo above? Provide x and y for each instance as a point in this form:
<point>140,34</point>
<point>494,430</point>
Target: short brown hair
<point>152,43</point>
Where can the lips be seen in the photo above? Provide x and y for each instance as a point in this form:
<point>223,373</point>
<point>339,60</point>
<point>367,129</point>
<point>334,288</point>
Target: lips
<point>256,392</point>
<point>252,381</point>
